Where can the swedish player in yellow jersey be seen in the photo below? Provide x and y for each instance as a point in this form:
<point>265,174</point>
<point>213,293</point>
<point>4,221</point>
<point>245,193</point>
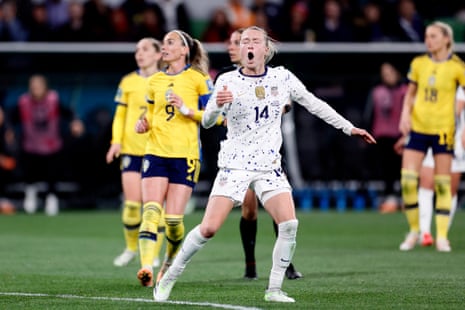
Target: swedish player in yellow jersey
<point>130,146</point>
<point>171,163</point>
<point>428,120</point>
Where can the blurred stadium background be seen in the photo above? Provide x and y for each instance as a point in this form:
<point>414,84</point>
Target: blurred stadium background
<point>333,170</point>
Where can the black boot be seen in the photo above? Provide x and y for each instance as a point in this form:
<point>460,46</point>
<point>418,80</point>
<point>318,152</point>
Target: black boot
<point>292,274</point>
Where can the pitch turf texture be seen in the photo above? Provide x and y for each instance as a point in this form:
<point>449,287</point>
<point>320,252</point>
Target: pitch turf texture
<point>349,261</point>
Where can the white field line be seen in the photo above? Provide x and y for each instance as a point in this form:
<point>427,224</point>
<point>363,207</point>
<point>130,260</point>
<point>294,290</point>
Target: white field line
<point>190,303</point>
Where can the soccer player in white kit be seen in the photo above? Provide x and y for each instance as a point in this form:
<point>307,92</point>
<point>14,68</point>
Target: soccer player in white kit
<point>426,190</point>
<point>252,98</point>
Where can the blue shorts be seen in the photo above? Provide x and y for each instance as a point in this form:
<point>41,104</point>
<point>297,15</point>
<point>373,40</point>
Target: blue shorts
<point>131,163</point>
<point>177,170</point>
<point>421,142</point>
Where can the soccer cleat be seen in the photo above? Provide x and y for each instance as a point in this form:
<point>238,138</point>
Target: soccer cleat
<point>124,258</point>
<point>51,205</point>
<point>250,272</point>
<point>443,245</point>
<point>164,267</point>
<point>162,291</point>
<point>292,274</point>
<point>145,276</point>
<point>410,241</point>
<point>427,239</point>
<point>277,295</point>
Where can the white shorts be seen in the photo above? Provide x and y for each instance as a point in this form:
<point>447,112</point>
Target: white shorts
<point>234,183</point>
<point>458,164</point>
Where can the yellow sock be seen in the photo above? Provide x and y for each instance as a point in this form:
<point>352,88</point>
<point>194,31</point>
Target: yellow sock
<point>409,183</point>
<point>443,203</point>
<point>160,235</point>
<point>148,232</point>
<point>174,234</point>
<point>131,218</point>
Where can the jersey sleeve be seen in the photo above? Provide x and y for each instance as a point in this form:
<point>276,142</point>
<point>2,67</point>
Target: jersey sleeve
<point>212,113</point>
<point>412,74</point>
<point>205,89</point>
<point>120,114</point>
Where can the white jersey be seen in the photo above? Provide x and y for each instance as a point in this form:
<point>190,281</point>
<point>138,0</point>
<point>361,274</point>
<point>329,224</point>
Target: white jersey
<point>458,163</point>
<point>253,118</point>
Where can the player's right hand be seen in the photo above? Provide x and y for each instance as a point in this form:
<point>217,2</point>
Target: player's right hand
<point>142,125</point>
<point>113,152</point>
<point>224,96</point>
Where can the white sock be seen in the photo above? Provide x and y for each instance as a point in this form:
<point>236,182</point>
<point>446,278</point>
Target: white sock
<point>453,208</point>
<point>425,207</point>
<point>193,242</point>
<point>283,251</point>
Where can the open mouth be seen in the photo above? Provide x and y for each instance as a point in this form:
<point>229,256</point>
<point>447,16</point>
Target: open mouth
<point>250,55</point>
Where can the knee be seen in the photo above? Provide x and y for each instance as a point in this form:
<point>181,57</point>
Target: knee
<point>409,184</point>
<point>288,229</point>
<point>131,214</point>
<point>174,228</point>
<point>208,231</point>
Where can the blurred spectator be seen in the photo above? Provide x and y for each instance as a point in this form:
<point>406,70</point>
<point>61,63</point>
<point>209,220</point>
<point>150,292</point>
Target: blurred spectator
<point>240,16</point>
<point>334,27</point>
<point>297,27</point>
<point>383,109</point>
<point>133,10</point>
<point>272,13</point>
<point>7,162</point>
<point>261,20</point>
<point>369,26</point>
<point>39,114</point>
<point>175,14</point>
<point>76,29</point>
<point>151,24</point>
<point>39,28</point>
<point>11,27</point>
<point>460,15</point>
<point>57,12</point>
<point>218,29</point>
<point>97,16</point>
<point>409,26</point>
<point>121,26</point>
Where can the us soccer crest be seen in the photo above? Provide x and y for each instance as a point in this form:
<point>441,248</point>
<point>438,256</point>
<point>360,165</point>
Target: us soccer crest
<point>260,92</point>
<point>274,91</point>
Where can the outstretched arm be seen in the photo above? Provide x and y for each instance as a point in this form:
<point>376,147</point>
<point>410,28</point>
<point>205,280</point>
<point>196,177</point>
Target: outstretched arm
<point>367,137</point>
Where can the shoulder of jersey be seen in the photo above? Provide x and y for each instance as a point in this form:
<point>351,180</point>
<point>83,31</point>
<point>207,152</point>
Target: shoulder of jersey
<point>197,71</point>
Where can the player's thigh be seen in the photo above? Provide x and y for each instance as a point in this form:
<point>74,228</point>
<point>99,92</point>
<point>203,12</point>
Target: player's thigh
<point>131,182</point>
<point>281,207</point>
<point>216,212</point>
<point>154,189</point>
<point>177,197</point>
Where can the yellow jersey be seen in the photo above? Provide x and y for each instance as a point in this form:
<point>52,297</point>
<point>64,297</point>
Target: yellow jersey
<point>433,109</point>
<point>131,105</point>
<point>172,134</point>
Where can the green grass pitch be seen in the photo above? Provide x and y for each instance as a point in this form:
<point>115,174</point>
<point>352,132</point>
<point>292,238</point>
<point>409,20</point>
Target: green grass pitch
<point>349,261</point>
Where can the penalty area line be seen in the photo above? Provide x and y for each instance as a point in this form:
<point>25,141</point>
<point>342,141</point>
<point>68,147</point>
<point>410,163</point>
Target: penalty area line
<point>189,303</point>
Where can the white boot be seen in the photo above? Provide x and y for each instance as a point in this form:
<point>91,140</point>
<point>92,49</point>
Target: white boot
<point>30,199</point>
<point>51,205</point>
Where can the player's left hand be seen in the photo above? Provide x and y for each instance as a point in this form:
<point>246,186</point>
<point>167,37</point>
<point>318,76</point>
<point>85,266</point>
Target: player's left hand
<point>363,134</point>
